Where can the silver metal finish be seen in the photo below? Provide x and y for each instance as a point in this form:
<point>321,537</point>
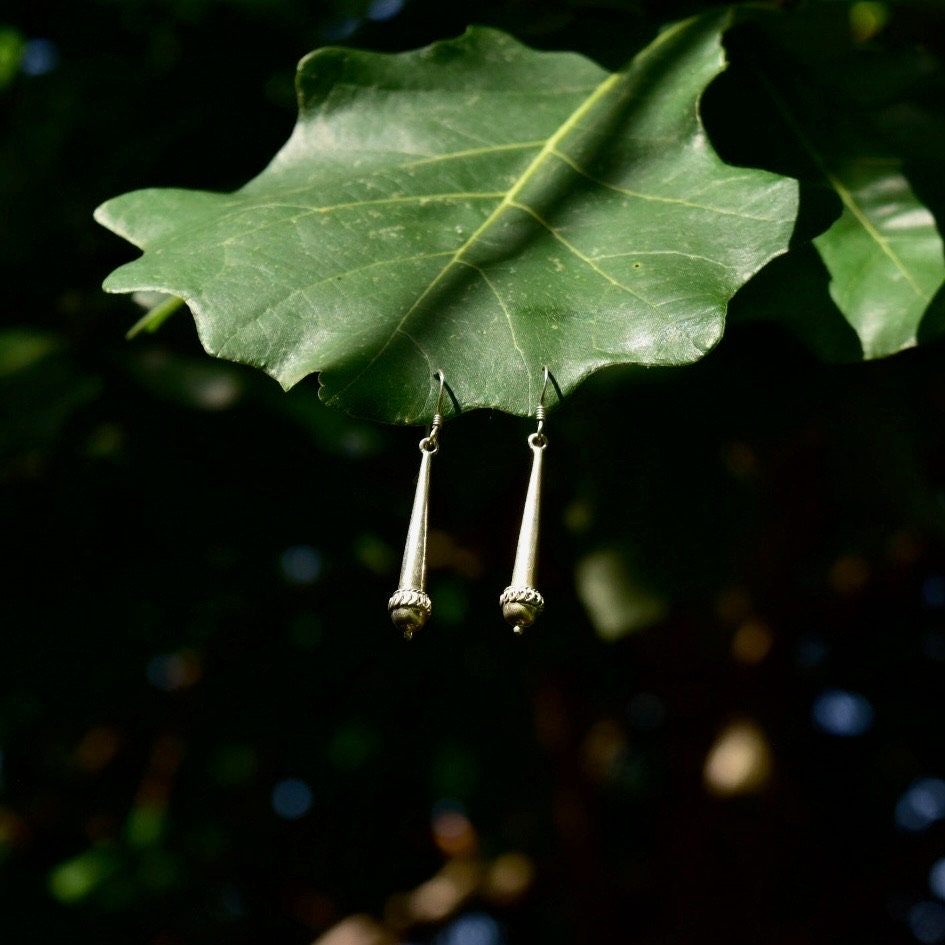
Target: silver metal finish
<point>526,554</point>
<point>409,606</point>
<point>521,603</point>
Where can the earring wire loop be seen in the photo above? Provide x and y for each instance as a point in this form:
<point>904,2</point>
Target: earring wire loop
<point>429,443</point>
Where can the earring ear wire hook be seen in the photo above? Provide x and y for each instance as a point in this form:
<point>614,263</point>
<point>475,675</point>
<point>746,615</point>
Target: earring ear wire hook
<point>541,411</point>
<point>431,438</point>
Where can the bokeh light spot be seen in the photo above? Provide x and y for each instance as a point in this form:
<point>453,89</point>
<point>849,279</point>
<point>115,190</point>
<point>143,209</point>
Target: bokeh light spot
<point>867,18</point>
<point>937,878</point>
<point>357,442</point>
<point>380,10</point>
<point>752,642</point>
<point>443,893</point>
<point>341,29</point>
<point>509,877</point>
<point>97,748</point>
<point>921,805</point>
<point>11,51</point>
<point>301,564</point>
<point>927,921</point>
<point>615,602</point>
<point>374,554</point>
<point>473,928</point>
<point>740,760</point>
<point>21,349</point>
<point>579,516</point>
<point>933,591</point>
<point>39,57</point>
<point>355,930</point>
<point>74,879</point>
<point>452,829</point>
<point>216,391</point>
<point>172,671</point>
<point>842,713</point>
<point>292,798</point>
<point>144,826</point>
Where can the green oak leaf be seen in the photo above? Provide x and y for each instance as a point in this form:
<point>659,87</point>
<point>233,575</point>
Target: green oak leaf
<point>884,255</point>
<point>476,207</point>
<point>837,103</point>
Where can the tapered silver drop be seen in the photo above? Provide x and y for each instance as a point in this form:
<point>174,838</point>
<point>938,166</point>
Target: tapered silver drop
<point>521,602</point>
<point>409,606</point>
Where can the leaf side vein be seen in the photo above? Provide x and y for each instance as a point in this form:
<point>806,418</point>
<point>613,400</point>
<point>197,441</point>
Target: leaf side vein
<point>505,310</point>
<point>587,260</point>
<point>626,192</point>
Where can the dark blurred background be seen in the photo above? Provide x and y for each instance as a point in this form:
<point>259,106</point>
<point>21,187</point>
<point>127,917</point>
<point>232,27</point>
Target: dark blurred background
<point>728,725</point>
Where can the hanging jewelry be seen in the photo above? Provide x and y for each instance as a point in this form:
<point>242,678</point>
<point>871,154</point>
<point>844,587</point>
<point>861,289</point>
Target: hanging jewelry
<point>521,602</point>
<point>409,606</point>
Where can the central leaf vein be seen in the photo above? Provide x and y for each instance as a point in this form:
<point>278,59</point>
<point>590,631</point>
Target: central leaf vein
<point>850,202</point>
<point>547,149</point>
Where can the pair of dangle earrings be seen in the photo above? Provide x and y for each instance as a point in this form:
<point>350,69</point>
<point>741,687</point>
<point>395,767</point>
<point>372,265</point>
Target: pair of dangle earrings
<point>409,606</point>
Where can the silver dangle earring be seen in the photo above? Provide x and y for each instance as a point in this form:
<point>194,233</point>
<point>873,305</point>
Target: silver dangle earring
<point>521,603</point>
<point>409,606</point>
